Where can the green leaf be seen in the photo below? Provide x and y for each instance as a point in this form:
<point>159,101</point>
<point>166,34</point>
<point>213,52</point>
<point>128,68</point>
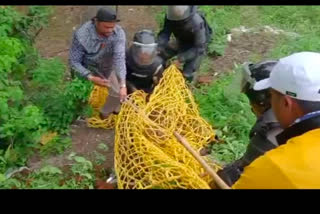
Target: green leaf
<point>51,170</point>
<point>103,147</point>
<point>80,159</point>
<point>2,178</point>
<point>87,175</point>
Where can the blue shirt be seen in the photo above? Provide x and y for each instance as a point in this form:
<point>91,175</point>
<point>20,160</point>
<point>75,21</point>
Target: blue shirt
<point>87,45</point>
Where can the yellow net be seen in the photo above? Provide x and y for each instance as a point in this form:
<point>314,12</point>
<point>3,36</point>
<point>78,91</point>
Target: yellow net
<point>147,154</point>
<point>97,99</point>
<point>47,137</point>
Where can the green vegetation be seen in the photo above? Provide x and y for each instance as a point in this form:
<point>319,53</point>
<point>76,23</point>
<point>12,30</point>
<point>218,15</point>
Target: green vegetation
<point>80,176</point>
<point>34,97</point>
<point>230,114</point>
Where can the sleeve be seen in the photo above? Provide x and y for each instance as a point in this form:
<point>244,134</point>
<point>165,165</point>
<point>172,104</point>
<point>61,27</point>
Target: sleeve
<point>119,56</point>
<point>198,48</point>
<point>77,53</point>
<point>159,71</point>
<point>263,173</point>
<point>164,34</point>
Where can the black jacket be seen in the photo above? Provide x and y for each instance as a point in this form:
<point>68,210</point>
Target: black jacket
<point>191,35</point>
<point>141,76</point>
<point>262,139</point>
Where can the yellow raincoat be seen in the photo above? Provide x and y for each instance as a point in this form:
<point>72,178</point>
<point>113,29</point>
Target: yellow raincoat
<point>294,165</point>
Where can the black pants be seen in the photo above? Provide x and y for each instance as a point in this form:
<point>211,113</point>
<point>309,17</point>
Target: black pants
<point>189,67</point>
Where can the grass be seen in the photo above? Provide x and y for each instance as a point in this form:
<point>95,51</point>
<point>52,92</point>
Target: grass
<point>221,19</point>
<point>221,103</point>
<point>230,114</point>
<point>303,20</point>
<point>206,65</point>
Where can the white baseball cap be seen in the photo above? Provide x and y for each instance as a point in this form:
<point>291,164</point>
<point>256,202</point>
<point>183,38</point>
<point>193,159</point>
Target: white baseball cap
<point>297,76</point>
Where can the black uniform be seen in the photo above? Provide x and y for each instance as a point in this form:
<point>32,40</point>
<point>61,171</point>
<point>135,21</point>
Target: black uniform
<point>262,139</point>
<point>142,76</point>
<point>192,37</point>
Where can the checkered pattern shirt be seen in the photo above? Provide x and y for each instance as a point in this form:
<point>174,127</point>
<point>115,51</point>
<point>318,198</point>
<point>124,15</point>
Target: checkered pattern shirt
<point>86,41</point>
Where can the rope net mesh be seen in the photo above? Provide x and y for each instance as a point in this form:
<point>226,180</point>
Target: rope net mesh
<point>147,154</point>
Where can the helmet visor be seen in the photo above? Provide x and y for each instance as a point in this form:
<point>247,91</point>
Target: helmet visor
<point>144,54</point>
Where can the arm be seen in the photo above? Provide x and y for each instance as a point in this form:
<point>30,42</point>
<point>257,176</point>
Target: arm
<point>164,35</point>
<point>198,48</point>
<point>119,57</point>
<point>119,63</point>
<point>77,53</point>
<point>157,76</point>
<point>130,85</point>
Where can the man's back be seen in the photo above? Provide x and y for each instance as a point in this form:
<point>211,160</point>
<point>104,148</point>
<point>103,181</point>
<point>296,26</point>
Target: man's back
<point>187,30</point>
<point>294,165</point>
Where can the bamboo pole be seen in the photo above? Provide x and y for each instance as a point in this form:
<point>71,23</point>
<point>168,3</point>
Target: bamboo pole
<point>206,166</point>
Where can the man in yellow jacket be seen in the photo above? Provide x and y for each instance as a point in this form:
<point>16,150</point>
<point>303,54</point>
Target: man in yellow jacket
<point>295,97</point>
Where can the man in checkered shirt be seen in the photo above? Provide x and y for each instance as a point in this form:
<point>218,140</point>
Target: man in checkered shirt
<point>98,53</point>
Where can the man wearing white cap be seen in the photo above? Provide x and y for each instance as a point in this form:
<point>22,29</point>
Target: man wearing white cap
<point>295,98</point>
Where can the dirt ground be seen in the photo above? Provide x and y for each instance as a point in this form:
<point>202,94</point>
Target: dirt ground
<point>54,41</point>
<point>244,47</point>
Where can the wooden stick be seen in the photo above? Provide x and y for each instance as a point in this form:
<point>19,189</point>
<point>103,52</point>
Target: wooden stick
<point>211,172</point>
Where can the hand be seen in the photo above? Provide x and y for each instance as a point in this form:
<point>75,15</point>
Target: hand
<point>177,63</point>
<point>155,80</point>
<point>123,94</point>
<point>99,81</point>
<point>160,49</point>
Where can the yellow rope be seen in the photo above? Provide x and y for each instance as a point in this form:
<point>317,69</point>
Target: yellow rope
<point>97,99</point>
<point>147,154</point>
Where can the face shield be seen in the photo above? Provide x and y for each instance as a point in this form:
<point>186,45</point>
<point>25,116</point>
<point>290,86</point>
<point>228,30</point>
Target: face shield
<point>247,82</point>
<point>178,13</point>
<point>144,54</point>
<point>241,81</point>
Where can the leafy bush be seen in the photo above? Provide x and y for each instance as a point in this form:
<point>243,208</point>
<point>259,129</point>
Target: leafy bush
<point>229,113</point>
<point>34,97</point>
<point>80,176</point>
<point>55,146</point>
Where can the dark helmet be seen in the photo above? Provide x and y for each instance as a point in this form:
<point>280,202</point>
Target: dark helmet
<point>181,12</point>
<point>252,74</point>
<point>144,47</point>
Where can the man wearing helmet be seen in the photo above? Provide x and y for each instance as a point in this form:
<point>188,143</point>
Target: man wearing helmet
<point>144,67</point>
<point>263,134</point>
<point>192,35</point>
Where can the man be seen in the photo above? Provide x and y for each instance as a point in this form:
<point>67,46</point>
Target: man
<point>144,67</point>
<point>262,135</point>
<point>295,100</point>
<point>98,54</point>
<point>192,35</point>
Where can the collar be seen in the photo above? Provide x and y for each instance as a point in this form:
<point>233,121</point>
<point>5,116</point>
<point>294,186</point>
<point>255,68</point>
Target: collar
<point>304,124</point>
<point>307,116</point>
